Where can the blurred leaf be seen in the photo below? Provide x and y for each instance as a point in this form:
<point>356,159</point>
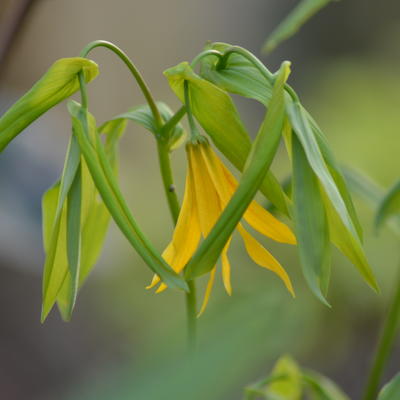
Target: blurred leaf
<point>293,22</point>
<point>143,116</point>
<point>311,225</point>
<point>389,206</point>
<point>58,83</point>
<point>289,386</point>
<point>104,179</point>
<point>217,114</point>
<point>391,391</point>
<point>322,388</point>
<point>370,192</point>
<point>341,226</point>
<point>258,163</point>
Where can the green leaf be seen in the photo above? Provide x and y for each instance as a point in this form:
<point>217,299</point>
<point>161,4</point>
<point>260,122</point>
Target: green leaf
<point>217,114</point>
<point>74,205</point>
<point>323,388</point>
<point>293,22</point>
<point>95,220</point>
<point>143,116</point>
<point>391,391</point>
<point>102,174</point>
<point>389,206</point>
<point>289,386</point>
<point>58,83</point>
<point>336,173</point>
<point>257,165</point>
<point>310,220</point>
<point>54,206</point>
<point>341,226</point>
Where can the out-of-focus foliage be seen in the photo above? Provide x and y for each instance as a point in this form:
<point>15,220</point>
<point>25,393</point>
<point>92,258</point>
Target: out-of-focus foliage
<point>293,22</point>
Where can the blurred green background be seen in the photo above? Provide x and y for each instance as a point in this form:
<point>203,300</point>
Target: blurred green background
<point>125,342</point>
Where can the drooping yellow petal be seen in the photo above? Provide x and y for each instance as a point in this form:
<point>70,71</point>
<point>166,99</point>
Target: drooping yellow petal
<point>264,258</point>
<point>186,235</point>
<point>207,294</point>
<point>208,203</point>
<point>260,219</point>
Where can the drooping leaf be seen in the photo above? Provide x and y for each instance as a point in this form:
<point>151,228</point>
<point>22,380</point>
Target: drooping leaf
<point>102,174</point>
<point>311,225</point>
<point>55,231</point>
<point>257,165</point>
<point>389,206</point>
<point>304,10</point>
<point>217,114</point>
<point>58,83</point>
<point>391,391</point>
<point>341,226</point>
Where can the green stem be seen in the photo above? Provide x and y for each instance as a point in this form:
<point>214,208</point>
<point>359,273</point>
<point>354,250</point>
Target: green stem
<point>191,313</point>
<point>384,347</point>
<point>167,178</point>
<point>135,72</point>
<point>194,132</point>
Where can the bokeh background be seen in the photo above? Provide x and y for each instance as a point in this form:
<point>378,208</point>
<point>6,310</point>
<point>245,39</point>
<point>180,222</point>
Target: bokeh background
<point>125,342</point>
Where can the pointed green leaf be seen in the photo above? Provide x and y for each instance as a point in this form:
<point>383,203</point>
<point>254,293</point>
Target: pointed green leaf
<point>260,159</point>
<point>311,225</point>
<point>389,206</point>
<point>95,219</point>
<point>58,83</point>
<point>54,207</point>
<point>101,172</point>
<point>341,226</point>
<point>323,388</point>
<point>391,391</point>
<point>293,22</point>
<point>217,114</point>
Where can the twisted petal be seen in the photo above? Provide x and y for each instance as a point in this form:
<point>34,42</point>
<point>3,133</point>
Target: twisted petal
<point>264,258</point>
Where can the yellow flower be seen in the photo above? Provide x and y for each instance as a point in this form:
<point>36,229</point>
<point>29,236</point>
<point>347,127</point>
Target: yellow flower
<point>209,187</point>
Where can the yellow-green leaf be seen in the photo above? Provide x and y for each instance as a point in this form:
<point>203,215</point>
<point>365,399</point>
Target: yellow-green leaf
<point>58,83</point>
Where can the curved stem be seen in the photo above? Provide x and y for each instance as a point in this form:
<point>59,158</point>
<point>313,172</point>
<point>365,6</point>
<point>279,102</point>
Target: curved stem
<point>135,72</point>
<point>257,63</point>
<point>168,182</point>
<point>203,54</point>
<point>385,344</point>
<point>194,132</point>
